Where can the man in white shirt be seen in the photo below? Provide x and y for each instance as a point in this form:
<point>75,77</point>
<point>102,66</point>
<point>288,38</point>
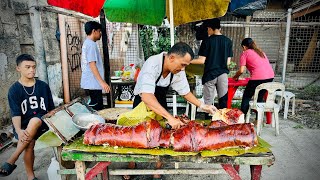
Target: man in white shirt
<point>164,70</point>
<point>157,74</point>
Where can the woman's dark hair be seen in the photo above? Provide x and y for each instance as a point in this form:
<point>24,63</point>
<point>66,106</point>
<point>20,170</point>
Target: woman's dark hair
<point>90,26</point>
<point>181,49</point>
<point>250,44</point>
<point>24,57</point>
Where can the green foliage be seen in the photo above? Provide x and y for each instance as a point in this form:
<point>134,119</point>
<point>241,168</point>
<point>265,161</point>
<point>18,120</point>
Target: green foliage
<point>298,126</point>
<point>154,46</point>
<point>236,104</point>
<point>232,65</point>
<point>309,92</point>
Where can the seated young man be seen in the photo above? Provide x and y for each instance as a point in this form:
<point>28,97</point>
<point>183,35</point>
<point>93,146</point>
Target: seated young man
<point>29,99</point>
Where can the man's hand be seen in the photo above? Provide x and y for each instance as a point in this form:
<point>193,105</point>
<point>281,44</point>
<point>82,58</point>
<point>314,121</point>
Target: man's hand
<point>235,78</point>
<point>175,123</point>
<point>24,136</point>
<point>208,108</point>
<point>105,86</point>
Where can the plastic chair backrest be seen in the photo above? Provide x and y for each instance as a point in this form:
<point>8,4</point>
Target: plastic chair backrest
<point>271,88</point>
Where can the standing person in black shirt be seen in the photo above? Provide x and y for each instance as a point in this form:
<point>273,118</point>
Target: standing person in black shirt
<point>215,53</point>
<point>29,99</point>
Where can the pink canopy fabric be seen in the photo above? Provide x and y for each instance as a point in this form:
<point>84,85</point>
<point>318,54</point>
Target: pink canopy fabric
<point>88,7</point>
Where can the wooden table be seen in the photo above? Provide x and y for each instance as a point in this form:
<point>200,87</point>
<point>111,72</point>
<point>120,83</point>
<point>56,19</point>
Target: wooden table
<point>230,164</point>
<point>232,88</point>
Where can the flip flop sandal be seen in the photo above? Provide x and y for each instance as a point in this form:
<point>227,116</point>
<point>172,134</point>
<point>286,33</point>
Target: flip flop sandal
<point>7,169</point>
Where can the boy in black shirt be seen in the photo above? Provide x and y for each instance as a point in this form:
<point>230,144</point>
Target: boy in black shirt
<point>215,53</point>
<point>29,99</point>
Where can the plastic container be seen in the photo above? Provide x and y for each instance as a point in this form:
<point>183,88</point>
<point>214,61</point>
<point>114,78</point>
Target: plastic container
<point>53,170</point>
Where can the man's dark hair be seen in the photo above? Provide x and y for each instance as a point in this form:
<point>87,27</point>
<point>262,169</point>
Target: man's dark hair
<point>181,49</point>
<point>212,23</point>
<point>24,57</point>
<point>90,26</point>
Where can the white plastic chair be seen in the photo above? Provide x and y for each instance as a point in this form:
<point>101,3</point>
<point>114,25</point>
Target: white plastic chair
<point>269,106</point>
<point>193,110</point>
<point>287,96</point>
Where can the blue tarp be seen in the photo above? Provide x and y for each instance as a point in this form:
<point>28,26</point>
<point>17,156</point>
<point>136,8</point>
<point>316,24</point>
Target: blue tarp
<point>246,7</point>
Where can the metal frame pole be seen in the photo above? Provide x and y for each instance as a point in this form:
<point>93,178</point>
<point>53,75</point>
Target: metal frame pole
<point>106,58</point>
<point>171,22</point>
<point>286,45</point>
<point>64,58</point>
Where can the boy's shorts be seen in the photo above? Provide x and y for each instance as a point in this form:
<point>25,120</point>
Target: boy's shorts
<point>42,129</point>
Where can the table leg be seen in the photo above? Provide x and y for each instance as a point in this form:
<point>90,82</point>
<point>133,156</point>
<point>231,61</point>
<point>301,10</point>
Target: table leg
<point>255,172</point>
<point>230,169</point>
<point>268,114</point>
<point>237,168</point>
<point>119,91</point>
<point>268,117</point>
<point>105,174</point>
<point>97,169</point>
<point>80,169</point>
<point>231,91</point>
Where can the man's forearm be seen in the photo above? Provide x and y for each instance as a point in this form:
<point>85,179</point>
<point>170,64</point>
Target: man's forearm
<point>199,60</point>
<point>192,99</point>
<point>228,61</point>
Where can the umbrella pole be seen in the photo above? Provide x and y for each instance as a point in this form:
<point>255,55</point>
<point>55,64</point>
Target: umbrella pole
<point>171,22</point>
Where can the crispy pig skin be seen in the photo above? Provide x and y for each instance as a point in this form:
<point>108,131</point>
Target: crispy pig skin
<point>242,135</point>
<point>183,138</point>
<point>193,137</point>
<point>217,124</point>
<point>234,115</point>
<point>90,134</point>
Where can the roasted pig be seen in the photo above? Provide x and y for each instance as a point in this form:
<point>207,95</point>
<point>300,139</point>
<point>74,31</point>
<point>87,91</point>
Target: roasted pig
<point>192,137</point>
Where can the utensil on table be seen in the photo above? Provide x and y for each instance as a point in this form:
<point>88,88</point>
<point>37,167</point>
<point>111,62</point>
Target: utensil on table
<point>84,121</point>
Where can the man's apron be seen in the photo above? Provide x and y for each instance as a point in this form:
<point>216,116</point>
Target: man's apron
<point>160,92</point>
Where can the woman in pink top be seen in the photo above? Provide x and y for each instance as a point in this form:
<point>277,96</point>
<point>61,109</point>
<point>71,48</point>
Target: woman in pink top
<point>256,61</point>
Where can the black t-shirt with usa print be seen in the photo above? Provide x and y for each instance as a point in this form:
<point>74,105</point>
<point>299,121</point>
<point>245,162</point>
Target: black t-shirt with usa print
<point>29,106</point>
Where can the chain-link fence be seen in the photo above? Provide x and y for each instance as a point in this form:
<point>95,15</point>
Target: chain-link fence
<point>74,40</point>
<point>303,67</point>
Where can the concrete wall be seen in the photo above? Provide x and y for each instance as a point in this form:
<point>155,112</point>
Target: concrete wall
<point>15,39</point>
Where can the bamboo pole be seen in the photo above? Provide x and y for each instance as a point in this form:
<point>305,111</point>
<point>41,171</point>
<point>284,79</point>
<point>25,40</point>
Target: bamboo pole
<point>64,58</point>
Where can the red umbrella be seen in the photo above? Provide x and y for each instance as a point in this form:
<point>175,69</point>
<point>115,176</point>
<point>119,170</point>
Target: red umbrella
<point>88,7</point>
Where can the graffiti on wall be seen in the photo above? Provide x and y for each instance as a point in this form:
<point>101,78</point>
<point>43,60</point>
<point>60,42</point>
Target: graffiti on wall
<point>74,49</point>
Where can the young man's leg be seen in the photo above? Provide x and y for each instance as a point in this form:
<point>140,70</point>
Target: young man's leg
<point>209,90</point>
<point>29,151</point>
<point>28,159</point>
<point>32,129</point>
<point>222,90</point>
<point>96,99</point>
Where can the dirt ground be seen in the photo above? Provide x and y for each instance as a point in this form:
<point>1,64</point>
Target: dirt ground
<point>307,111</point>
